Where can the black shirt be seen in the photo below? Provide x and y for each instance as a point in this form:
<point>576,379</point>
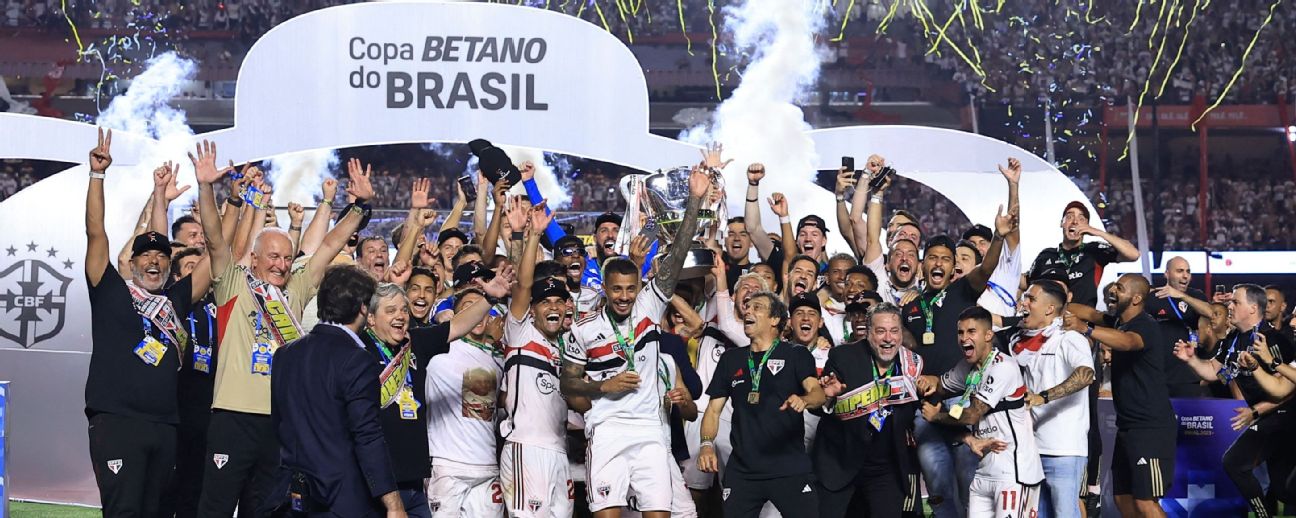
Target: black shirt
<point>119,382</point>
<point>945,353</point>
<point>733,270</point>
<point>1237,341</point>
<point>196,383</point>
<point>1084,266</point>
<point>1177,320</point>
<point>407,439</point>
<point>1139,390</point>
<point>767,442</point>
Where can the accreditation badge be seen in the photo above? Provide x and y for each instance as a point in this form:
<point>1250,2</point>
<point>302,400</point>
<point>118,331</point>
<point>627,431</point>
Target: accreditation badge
<point>202,359</point>
<point>261,358</point>
<point>150,350</point>
<point>408,405</point>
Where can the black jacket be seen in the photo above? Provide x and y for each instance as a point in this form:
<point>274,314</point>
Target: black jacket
<point>840,446</point>
<point>324,401</point>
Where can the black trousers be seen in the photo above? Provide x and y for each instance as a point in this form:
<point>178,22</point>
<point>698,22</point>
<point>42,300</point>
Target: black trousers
<point>794,497</point>
<point>868,496</point>
<point>191,459</point>
<point>1265,441</point>
<point>133,461</point>
<point>1093,468</point>
<point>242,466</point>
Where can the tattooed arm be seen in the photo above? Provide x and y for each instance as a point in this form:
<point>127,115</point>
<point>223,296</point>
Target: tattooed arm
<point>669,269</point>
<point>1079,379</point>
<point>971,415</point>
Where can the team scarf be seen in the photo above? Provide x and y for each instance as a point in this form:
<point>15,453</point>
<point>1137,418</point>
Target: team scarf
<point>395,375</point>
<point>272,304</point>
<point>158,310</point>
<point>1026,344</point>
<point>897,389</point>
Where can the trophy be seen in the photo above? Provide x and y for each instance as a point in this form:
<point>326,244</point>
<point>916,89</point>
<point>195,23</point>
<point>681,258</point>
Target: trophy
<point>655,208</point>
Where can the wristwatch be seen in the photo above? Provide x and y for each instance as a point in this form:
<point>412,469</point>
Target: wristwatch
<point>1273,366</point>
<point>841,197</point>
<point>1089,330</point>
<point>1045,396</point>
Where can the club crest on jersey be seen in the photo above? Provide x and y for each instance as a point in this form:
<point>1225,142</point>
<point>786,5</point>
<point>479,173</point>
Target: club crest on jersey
<point>604,491</point>
<point>434,506</point>
<point>220,459</point>
<point>775,366</point>
<point>533,505</point>
<point>724,494</point>
<point>115,465</point>
<point>1183,307</point>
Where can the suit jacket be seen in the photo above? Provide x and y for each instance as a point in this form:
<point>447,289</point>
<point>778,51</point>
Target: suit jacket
<point>325,410</point>
<point>840,446</point>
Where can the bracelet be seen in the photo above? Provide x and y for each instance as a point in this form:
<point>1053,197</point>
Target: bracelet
<point>292,228</point>
<point>784,220</point>
<point>98,175</point>
<point>1089,330</point>
<point>841,198</point>
<point>705,444</point>
<point>876,198</point>
<point>517,236</point>
<point>326,202</point>
<point>753,184</point>
<point>752,200</point>
<point>234,201</point>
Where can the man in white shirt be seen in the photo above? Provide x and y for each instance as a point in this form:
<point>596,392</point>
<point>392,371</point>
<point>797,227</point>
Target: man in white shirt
<point>533,463</point>
<point>462,392</point>
<point>628,457</point>
<point>1058,366</point>
<point>1006,484</point>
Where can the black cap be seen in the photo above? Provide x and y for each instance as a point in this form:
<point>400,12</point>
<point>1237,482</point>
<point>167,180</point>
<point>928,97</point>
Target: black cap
<point>568,242</point>
<point>941,240</point>
<point>465,273</point>
<point>812,221</point>
<point>608,217</point>
<point>150,241</point>
<point>494,162</point>
<point>808,300</point>
<point>1050,274</point>
<point>980,231</point>
<point>452,232</point>
<point>549,287</point>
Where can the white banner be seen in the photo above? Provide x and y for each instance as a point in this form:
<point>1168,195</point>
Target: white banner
<point>378,73</point>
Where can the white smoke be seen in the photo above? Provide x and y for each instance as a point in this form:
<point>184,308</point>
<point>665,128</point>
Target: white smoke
<point>297,177</point>
<point>551,187</point>
<point>143,110</point>
<point>760,122</point>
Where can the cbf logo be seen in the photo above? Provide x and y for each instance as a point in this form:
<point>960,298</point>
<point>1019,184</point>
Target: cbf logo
<point>33,294</point>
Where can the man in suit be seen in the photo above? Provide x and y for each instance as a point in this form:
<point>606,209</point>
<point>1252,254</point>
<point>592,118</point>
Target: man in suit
<point>325,409</point>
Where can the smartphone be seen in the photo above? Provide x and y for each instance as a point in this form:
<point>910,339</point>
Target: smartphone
<point>1219,288</point>
<point>848,163</point>
<point>469,188</point>
<point>876,182</point>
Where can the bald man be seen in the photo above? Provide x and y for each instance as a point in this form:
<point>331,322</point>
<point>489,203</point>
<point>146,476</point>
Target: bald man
<point>1177,307</point>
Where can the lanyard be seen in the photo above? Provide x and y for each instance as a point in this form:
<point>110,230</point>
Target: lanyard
<point>756,369</point>
<point>928,312</point>
<point>382,346</point>
<point>484,347</point>
<point>626,348</point>
<point>877,375</point>
<point>973,380</point>
<point>1069,259</point>
<point>148,330</point>
<point>663,373</point>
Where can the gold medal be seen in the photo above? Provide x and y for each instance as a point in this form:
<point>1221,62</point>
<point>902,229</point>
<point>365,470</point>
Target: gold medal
<point>929,338</point>
<point>956,411</point>
<point>753,398</point>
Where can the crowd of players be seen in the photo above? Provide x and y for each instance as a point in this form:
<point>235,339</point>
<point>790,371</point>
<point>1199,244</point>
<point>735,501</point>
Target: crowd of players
<point>238,365</point>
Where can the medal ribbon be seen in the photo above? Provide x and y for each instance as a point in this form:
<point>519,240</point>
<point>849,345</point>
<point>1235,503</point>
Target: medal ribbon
<point>756,370</point>
<point>626,348</point>
<point>928,312</point>
<point>973,380</point>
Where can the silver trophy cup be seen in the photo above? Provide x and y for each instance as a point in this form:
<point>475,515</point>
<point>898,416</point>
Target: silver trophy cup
<point>656,204</point>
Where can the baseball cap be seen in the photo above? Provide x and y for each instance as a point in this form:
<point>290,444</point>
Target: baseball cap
<point>1077,205</point>
<point>465,273</point>
<point>813,221</point>
<point>452,232</point>
<point>804,300</point>
<point>1050,274</point>
<point>150,241</point>
<point>608,217</point>
<point>978,230</point>
<point>549,287</point>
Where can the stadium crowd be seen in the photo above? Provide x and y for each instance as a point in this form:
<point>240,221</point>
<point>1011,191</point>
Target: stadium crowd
<point>239,364</point>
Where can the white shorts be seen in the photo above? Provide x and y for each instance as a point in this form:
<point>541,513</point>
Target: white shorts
<point>628,461</point>
<point>468,490</point>
<point>693,477</point>
<point>1002,499</point>
<point>536,481</point>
